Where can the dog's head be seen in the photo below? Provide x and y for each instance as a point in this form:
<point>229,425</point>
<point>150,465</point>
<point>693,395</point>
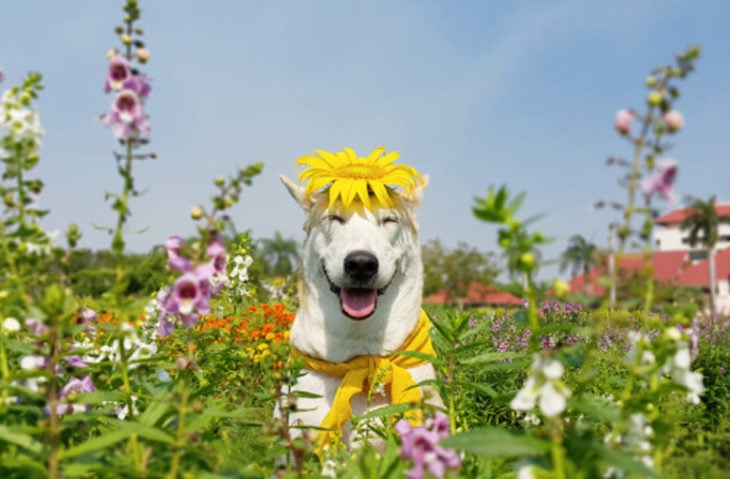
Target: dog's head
<point>358,254</point>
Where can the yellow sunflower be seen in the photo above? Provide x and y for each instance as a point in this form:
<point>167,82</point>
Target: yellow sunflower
<point>351,178</point>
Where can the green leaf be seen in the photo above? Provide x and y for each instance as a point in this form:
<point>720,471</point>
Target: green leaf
<point>483,388</point>
<point>147,432</point>
<point>494,442</point>
<point>388,411</point>
<point>154,412</point>
<point>626,462</point>
<point>23,440</point>
<point>491,357</point>
<point>96,444</point>
<point>429,358</point>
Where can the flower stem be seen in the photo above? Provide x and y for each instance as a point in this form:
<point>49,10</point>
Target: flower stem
<point>182,414</point>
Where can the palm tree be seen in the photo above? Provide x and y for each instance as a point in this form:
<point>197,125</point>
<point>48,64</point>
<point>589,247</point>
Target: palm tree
<point>280,254</point>
<point>580,256</point>
<point>703,224</point>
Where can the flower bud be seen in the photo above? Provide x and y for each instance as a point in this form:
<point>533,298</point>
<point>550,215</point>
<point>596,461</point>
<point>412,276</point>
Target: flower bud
<point>126,39</point>
<point>622,121</point>
<point>527,260</point>
<point>142,55</point>
<point>196,212</point>
<point>219,181</point>
<point>10,325</point>
<point>655,98</point>
<point>673,121</point>
<point>561,287</point>
<point>651,81</point>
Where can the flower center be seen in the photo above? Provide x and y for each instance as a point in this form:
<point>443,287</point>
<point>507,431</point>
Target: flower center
<point>360,172</point>
<point>119,72</point>
<point>126,102</point>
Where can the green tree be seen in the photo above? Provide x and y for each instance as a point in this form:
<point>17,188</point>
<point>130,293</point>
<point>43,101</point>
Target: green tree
<point>454,269</point>
<point>703,224</point>
<point>279,254</point>
<point>580,256</point>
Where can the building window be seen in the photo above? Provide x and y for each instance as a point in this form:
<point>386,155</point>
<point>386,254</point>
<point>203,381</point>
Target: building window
<point>697,255</point>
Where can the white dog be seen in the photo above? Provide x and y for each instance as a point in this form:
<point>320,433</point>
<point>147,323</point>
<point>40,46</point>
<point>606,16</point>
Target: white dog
<point>360,301</point>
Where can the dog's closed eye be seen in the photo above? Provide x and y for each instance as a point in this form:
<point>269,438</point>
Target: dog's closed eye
<point>389,219</point>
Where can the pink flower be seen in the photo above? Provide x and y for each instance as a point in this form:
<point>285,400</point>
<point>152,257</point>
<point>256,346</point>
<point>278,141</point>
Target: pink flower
<point>119,71</point>
<point>139,84</point>
<point>174,259</point>
<point>662,181</point>
<point>673,121</point>
<point>190,295</point>
<point>125,117</point>
<point>623,121</point>
<point>421,446</point>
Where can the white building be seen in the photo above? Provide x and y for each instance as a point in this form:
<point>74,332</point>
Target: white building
<point>668,236</point>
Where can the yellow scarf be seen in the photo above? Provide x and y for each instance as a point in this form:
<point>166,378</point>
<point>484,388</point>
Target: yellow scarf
<point>359,371</point>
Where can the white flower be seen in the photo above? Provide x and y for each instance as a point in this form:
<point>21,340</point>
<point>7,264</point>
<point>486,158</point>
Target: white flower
<point>544,388</point>
<point>31,363</point>
<point>526,397</point>
<point>682,359</point>
<point>552,369</point>
<point>10,325</point>
<point>673,334</point>
<point>526,471</point>
<point>552,402</point>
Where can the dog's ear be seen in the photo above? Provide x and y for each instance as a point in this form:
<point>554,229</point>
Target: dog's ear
<point>297,192</point>
<point>414,197</point>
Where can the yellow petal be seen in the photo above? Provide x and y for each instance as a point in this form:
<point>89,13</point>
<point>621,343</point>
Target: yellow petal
<point>381,193</point>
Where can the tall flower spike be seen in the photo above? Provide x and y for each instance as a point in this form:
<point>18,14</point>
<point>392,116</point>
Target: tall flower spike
<point>351,179</point>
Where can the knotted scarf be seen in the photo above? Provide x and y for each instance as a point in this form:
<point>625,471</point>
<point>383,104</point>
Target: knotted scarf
<point>358,372</point>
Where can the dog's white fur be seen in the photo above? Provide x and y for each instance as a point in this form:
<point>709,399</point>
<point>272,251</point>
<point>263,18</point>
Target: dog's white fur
<point>321,328</point>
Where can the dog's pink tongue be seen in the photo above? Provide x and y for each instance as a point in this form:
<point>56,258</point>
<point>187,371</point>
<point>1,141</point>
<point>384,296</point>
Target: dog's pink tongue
<point>358,303</point>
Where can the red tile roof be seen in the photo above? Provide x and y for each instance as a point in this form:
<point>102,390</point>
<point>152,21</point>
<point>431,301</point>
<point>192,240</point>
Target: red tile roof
<point>698,274</point>
<point>668,265</point>
<point>478,293</point>
<point>679,215</point>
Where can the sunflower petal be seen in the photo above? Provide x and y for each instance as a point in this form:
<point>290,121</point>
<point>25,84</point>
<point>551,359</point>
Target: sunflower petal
<point>381,193</point>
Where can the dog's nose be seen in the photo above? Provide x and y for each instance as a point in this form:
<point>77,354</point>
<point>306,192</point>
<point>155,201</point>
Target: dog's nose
<point>361,265</point>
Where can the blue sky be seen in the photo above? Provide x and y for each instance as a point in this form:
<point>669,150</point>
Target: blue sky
<point>473,93</point>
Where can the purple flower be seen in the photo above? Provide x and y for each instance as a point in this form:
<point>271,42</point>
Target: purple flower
<point>623,121</point>
<point>70,391</point>
<point>662,181</point>
<point>217,252</point>
<point>140,84</point>
<point>36,326</point>
<point>174,259</point>
<point>421,446</point>
<point>119,71</point>
<point>77,362</point>
<point>126,117</point>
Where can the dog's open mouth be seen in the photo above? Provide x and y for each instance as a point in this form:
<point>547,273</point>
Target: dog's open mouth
<point>356,303</point>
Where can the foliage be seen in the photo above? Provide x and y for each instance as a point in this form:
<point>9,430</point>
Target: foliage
<point>453,269</point>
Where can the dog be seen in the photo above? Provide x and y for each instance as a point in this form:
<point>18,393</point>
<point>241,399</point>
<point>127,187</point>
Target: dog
<point>360,295</point>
